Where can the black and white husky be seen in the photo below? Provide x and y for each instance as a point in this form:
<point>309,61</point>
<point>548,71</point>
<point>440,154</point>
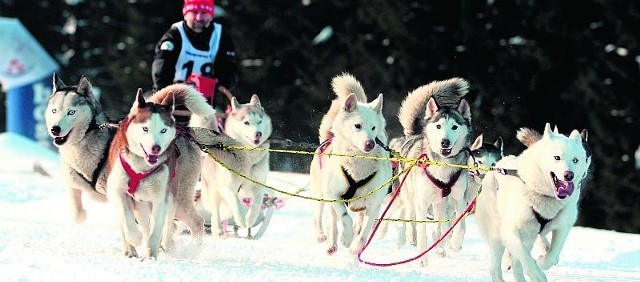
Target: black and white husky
<point>437,126</point>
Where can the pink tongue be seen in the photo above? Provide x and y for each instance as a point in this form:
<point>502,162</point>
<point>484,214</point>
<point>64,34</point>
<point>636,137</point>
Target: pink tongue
<point>564,188</point>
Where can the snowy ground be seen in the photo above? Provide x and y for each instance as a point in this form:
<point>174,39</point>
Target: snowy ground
<point>39,242</point>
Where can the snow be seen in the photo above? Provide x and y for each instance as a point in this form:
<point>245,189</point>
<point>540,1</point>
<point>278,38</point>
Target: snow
<point>40,242</point>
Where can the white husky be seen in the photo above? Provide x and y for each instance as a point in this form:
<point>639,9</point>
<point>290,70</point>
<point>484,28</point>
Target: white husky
<point>224,191</point>
<point>532,194</point>
<point>350,127</point>
<point>437,124</point>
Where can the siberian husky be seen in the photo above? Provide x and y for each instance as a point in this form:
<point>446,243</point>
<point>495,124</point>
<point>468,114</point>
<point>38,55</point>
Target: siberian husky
<point>155,165</point>
<point>437,124</point>
<point>223,191</point>
<point>483,154</point>
<point>530,195</point>
<point>74,118</point>
<point>353,127</point>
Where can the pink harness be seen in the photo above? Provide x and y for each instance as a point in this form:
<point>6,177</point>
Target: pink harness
<point>323,147</point>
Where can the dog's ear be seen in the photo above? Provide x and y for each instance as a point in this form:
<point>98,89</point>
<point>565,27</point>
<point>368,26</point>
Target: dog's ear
<point>477,143</point>
<point>57,83</point>
<point>377,104</point>
<point>547,131</point>
<point>255,100</point>
<point>168,102</point>
<point>84,86</point>
<point>500,145</point>
<point>432,108</point>
<point>234,103</point>
<point>140,102</point>
<point>464,109</point>
<point>575,134</point>
<point>350,103</point>
<point>556,130</point>
<point>585,135</point>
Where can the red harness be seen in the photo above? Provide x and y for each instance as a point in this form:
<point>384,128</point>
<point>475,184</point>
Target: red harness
<point>134,177</point>
<point>445,188</point>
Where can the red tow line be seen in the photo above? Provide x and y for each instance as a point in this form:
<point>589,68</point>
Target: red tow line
<point>375,229</point>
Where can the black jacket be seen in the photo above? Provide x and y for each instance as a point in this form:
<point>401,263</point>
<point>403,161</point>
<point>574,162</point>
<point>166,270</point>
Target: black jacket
<point>224,68</point>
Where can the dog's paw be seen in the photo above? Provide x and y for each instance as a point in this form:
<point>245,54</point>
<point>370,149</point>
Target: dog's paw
<point>332,250</point>
<point>545,262</point>
<point>455,247</point>
<point>80,216</point>
<point>441,252</point>
<point>321,238</point>
<point>536,275</point>
<point>423,262</point>
<point>346,237</point>
<point>130,252</point>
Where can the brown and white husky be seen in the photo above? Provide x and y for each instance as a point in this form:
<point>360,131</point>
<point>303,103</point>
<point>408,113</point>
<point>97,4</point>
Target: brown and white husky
<point>153,167</point>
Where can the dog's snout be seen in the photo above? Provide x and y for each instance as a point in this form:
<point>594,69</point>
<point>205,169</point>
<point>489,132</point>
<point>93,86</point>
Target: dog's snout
<point>369,144</point>
<point>155,149</point>
<point>55,130</point>
<point>568,175</point>
<point>445,143</point>
<point>258,134</point>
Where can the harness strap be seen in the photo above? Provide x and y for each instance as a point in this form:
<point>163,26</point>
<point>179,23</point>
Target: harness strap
<point>445,188</point>
<point>543,221</point>
<point>354,185</point>
<point>134,177</point>
<point>101,164</point>
<point>323,147</point>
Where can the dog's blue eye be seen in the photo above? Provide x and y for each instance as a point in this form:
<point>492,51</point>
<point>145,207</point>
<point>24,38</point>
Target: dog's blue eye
<point>438,126</point>
<point>575,160</point>
<point>454,127</point>
<point>557,158</point>
<point>358,126</point>
<point>145,129</point>
<point>164,130</point>
<point>246,123</point>
<point>71,112</point>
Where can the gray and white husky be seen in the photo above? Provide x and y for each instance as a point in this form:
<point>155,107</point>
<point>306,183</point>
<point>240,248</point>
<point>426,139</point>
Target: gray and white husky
<point>224,193</point>
<point>483,154</point>
<point>437,125</point>
<point>531,195</point>
<point>74,118</point>
<point>351,126</point>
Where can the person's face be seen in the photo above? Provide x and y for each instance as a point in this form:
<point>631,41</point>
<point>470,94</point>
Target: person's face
<point>198,20</point>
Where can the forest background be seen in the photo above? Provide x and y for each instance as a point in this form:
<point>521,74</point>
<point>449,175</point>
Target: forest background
<point>574,63</point>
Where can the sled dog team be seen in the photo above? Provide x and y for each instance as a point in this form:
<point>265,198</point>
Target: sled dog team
<point>147,168</point>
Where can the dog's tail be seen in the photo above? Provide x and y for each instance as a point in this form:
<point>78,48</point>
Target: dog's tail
<point>185,95</point>
<point>447,93</point>
<point>345,84</point>
<point>528,136</point>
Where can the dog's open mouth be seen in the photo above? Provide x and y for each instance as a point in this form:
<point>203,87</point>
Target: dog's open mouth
<point>60,140</point>
<point>152,159</point>
<point>445,152</point>
<point>563,188</point>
